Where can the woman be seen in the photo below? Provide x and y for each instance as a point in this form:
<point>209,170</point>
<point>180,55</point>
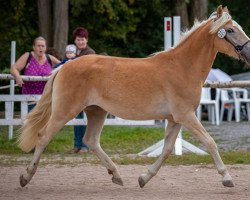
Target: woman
<point>35,63</point>
<point>80,36</point>
<point>37,66</point>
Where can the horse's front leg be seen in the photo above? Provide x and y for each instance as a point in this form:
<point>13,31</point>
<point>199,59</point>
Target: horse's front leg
<point>193,124</point>
<point>96,117</point>
<point>172,131</point>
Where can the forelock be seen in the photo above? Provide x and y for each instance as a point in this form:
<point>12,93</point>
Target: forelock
<point>218,23</point>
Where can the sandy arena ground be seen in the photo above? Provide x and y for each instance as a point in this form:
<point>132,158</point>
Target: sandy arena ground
<point>87,182</point>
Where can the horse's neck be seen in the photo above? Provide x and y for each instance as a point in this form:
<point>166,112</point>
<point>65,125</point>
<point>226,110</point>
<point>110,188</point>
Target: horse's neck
<point>196,54</point>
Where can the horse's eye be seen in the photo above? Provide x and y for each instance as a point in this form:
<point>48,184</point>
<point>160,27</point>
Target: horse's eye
<point>230,30</point>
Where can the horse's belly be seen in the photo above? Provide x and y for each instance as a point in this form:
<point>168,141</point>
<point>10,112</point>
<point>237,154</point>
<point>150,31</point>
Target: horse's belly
<point>138,112</point>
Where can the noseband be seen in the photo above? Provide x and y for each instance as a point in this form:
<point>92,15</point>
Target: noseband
<point>238,48</point>
<point>223,34</point>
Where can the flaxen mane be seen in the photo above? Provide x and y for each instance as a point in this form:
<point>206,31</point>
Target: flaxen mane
<point>217,24</point>
<point>214,28</point>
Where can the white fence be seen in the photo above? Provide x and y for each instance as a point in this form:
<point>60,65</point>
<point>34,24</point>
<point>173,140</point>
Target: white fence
<point>11,121</point>
<point>25,99</point>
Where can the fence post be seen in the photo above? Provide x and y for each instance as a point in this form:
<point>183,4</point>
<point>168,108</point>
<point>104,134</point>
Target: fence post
<point>177,29</point>
<point>12,86</point>
<point>176,34</point>
<point>174,29</point>
<point>167,32</point>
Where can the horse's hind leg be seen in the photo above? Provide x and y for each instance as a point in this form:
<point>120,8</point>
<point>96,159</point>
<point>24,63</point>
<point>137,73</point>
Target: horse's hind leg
<point>194,125</point>
<point>96,117</point>
<point>172,131</point>
<point>46,133</point>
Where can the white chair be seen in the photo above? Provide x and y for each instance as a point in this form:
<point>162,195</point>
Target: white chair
<point>240,96</point>
<point>226,103</point>
<point>211,105</point>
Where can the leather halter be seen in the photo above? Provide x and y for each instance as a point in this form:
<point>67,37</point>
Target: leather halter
<point>238,48</point>
<point>222,34</point>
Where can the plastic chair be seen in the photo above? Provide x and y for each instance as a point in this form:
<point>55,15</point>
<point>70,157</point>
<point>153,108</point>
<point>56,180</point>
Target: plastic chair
<point>212,105</point>
<point>240,96</point>
<point>226,103</point>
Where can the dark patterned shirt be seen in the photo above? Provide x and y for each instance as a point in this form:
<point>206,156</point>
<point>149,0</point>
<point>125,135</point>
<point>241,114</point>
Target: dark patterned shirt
<point>86,51</point>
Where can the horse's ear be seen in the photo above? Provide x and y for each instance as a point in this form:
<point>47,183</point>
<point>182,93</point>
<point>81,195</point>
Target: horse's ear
<point>219,11</point>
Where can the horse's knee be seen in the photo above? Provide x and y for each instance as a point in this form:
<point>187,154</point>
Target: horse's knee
<point>86,141</point>
<point>166,152</point>
<point>210,144</point>
<point>93,146</point>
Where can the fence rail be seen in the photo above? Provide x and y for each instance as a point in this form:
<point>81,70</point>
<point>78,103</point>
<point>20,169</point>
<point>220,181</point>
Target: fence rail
<point>230,84</point>
<point>212,84</point>
<point>24,99</point>
<point>25,78</point>
<point>10,99</point>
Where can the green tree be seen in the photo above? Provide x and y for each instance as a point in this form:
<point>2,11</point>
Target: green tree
<point>122,28</point>
<point>109,22</point>
<point>18,23</point>
<point>53,23</point>
<point>131,28</point>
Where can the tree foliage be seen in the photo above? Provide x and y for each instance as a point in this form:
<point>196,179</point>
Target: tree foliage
<point>18,23</point>
<point>132,28</point>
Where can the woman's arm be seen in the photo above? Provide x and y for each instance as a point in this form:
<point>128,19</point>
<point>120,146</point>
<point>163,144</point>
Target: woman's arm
<point>54,60</point>
<point>18,66</point>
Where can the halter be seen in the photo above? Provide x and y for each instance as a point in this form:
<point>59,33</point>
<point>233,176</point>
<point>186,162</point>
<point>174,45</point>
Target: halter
<point>238,48</point>
<point>222,34</point>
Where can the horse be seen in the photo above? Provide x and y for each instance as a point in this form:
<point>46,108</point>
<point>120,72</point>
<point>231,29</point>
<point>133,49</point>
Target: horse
<point>166,85</point>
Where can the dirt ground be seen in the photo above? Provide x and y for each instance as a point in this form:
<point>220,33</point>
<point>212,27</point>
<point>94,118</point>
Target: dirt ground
<point>93,182</point>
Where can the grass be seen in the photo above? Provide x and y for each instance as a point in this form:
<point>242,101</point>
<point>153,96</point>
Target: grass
<point>114,140</point>
<point>121,143</point>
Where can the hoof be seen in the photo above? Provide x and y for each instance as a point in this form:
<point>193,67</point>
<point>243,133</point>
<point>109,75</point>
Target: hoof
<point>22,181</point>
<point>142,183</point>
<point>117,181</point>
<point>228,183</point>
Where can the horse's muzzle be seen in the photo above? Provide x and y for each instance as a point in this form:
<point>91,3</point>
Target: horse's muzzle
<point>245,53</point>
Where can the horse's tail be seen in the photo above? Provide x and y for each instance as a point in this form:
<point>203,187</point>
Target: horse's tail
<point>36,119</point>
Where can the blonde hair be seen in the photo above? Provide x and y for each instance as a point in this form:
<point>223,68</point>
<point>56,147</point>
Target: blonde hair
<point>216,25</point>
<point>221,21</point>
<point>38,38</point>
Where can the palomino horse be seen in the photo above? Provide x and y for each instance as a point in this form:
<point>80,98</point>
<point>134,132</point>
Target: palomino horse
<point>166,85</point>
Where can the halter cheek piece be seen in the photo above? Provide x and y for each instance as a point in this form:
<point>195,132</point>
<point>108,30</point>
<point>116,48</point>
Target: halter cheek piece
<point>222,34</point>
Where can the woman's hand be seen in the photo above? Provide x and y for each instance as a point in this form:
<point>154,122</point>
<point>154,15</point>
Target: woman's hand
<point>19,81</point>
<point>17,67</point>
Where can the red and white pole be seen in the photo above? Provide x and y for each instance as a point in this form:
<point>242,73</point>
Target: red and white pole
<point>167,32</point>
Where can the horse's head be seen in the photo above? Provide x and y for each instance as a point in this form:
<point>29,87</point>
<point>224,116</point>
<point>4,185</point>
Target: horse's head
<point>230,38</point>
